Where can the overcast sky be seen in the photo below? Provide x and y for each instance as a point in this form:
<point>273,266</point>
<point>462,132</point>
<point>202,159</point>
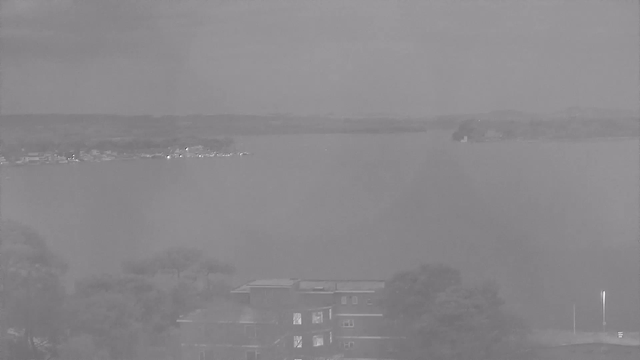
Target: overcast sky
<point>343,57</point>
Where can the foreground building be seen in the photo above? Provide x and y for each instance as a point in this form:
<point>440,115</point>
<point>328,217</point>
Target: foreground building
<point>290,319</point>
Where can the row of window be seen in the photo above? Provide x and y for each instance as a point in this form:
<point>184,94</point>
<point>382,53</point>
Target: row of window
<point>251,332</point>
<point>316,317</point>
<point>348,323</point>
<point>354,300</point>
<point>318,340</point>
<point>347,345</point>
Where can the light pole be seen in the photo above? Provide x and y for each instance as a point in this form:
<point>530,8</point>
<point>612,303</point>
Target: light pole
<point>604,311</point>
<point>574,318</point>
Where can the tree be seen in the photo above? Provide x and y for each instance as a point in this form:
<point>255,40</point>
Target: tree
<point>411,293</point>
<point>436,317</point>
<point>178,259</point>
<point>35,294</point>
<point>208,267</point>
<point>109,318</point>
<point>124,313</point>
<point>144,267</point>
<point>119,312</point>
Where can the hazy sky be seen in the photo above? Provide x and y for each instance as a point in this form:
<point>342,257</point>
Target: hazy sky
<point>318,56</point>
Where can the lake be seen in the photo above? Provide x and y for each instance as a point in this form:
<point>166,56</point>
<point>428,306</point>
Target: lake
<point>553,223</point>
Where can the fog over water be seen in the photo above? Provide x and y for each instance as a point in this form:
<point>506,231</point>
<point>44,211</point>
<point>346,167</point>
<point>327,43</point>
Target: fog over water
<point>553,223</point>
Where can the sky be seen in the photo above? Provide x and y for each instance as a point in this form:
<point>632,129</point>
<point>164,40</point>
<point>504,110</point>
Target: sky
<point>339,57</point>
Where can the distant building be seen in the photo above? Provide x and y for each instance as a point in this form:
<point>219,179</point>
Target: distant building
<point>290,319</point>
<point>32,158</point>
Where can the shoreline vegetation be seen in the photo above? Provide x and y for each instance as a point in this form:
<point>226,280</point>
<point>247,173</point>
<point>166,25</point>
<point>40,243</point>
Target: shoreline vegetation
<point>547,130</point>
<point>58,138</point>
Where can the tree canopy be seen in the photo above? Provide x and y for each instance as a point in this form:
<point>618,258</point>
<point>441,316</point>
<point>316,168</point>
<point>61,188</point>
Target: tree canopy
<point>436,317</point>
<point>34,294</point>
<point>117,316</point>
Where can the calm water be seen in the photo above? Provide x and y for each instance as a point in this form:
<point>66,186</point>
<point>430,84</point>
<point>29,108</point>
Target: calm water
<point>554,223</point>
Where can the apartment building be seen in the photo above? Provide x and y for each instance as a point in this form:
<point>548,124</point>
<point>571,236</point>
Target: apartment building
<point>290,319</point>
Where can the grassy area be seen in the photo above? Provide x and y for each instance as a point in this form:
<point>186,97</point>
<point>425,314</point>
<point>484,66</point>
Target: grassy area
<point>562,337</point>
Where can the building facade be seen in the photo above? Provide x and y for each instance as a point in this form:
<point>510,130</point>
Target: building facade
<point>290,319</point>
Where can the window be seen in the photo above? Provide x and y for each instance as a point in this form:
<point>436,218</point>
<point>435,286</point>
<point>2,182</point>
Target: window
<point>317,317</point>
<point>369,302</point>
<point>297,341</point>
<point>329,313</point>
<point>253,355</point>
<point>348,323</point>
<point>330,337</point>
<point>297,319</point>
<point>202,355</point>
<point>348,345</point>
<point>250,331</point>
<point>318,340</point>
<point>344,300</point>
<point>354,300</point>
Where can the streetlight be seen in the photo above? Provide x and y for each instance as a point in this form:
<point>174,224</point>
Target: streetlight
<point>574,318</point>
<point>604,307</point>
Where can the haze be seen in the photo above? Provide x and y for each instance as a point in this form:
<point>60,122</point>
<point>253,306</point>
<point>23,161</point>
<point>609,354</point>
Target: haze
<point>339,57</point>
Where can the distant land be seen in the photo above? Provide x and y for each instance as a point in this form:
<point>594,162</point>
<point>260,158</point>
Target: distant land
<point>571,123</point>
<point>568,125</point>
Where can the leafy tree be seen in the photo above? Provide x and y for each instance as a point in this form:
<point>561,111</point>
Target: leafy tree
<point>144,267</point>
<point>107,306</point>
<point>109,318</point>
<point>137,310</point>
<point>35,295</point>
<point>412,293</point>
<point>178,259</point>
<point>82,347</point>
<point>436,317</point>
<point>208,267</point>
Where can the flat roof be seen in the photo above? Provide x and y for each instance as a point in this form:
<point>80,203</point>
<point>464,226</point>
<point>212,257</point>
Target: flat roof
<point>322,285</point>
<point>265,283</point>
<point>342,285</point>
<point>315,285</point>
<point>273,282</point>
<point>230,312</point>
<point>360,285</point>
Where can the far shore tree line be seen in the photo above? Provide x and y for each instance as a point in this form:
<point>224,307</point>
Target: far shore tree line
<point>556,129</point>
<point>132,315</point>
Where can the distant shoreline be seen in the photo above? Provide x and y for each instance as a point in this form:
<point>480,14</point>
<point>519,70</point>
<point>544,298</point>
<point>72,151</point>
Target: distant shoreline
<point>560,140</point>
<point>50,158</point>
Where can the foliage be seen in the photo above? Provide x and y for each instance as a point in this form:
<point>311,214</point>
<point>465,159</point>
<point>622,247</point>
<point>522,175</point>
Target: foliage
<point>143,267</point>
<point>35,295</point>
<point>558,129</point>
<point>436,317</point>
<point>108,316</point>
<point>82,347</point>
<point>135,312</point>
<point>411,293</point>
<point>178,259</point>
